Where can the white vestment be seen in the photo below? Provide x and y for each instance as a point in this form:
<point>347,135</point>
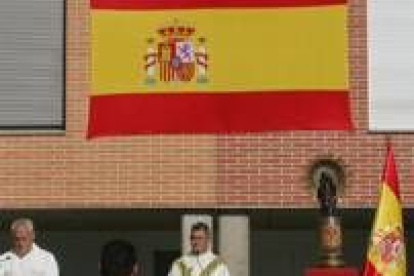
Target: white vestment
<point>196,264</point>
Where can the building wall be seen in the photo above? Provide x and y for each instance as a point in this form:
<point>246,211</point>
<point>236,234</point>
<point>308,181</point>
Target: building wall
<point>252,170</point>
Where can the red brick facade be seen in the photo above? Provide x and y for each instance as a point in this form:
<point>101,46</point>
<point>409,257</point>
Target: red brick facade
<point>256,170</point>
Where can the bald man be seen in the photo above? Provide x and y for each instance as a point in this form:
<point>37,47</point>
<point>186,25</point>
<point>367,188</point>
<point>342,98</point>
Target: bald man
<point>25,257</point>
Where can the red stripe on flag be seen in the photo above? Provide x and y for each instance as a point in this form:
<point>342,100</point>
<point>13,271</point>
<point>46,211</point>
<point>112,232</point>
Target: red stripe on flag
<point>197,4</point>
<point>369,269</point>
<point>125,114</point>
<point>389,174</point>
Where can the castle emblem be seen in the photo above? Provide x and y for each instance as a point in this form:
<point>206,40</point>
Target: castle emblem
<point>175,56</point>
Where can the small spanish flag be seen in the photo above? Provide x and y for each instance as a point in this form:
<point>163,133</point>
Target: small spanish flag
<point>386,250</point>
<point>218,66</point>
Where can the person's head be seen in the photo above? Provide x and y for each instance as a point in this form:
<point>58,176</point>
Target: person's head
<point>200,238</point>
<point>118,258</point>
<point>22,235</point>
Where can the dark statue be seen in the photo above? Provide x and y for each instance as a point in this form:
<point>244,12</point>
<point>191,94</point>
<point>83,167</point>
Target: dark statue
<point>327,195</point>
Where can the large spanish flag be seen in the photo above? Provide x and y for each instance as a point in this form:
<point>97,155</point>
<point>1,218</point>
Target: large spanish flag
<point>386,251</point>
<point>218,66</point>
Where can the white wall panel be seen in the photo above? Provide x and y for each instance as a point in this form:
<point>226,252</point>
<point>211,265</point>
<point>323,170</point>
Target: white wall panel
<point>391,65</point>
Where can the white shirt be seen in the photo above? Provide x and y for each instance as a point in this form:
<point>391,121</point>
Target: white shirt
<point>197,263</point>
<point>37,262</point>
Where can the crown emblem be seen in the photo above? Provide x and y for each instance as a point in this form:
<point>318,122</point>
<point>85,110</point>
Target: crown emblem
<point>176,31</point>
<point>176,55</point>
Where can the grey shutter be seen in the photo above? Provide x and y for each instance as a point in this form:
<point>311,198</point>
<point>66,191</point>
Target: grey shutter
<point>32,64</point>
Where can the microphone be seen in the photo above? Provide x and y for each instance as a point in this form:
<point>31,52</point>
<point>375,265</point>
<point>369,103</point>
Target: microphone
<point>6,258</point>
<point>5,265</point>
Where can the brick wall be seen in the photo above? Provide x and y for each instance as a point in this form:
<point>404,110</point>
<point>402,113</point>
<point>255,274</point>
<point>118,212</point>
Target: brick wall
<point>256,170</point>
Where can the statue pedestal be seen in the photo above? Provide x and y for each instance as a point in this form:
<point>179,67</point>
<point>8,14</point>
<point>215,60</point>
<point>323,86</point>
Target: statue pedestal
<point>331,271</point>
<point>331,241</point>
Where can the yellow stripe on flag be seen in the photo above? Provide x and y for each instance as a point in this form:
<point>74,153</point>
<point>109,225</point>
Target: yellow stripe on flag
<point>248,49</point>
<point>389,209</point>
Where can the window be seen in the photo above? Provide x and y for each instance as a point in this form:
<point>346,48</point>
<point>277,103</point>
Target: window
<point>32,65</point>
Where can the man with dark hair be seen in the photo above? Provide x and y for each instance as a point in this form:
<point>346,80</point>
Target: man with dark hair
<point>118,258</point>
<point>200,261</point>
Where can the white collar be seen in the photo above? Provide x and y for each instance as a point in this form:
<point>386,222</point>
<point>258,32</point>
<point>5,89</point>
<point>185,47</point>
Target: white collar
<point>31,251</point>
<point>205,255</point>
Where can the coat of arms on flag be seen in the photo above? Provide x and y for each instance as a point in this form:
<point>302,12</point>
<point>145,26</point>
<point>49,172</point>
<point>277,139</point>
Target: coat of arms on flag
<point>388,248</point>
<point>174,56</point>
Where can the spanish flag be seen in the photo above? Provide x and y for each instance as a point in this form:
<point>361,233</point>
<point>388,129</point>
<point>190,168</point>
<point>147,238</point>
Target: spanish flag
<point>386,251</point>
<point>218,66</point>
